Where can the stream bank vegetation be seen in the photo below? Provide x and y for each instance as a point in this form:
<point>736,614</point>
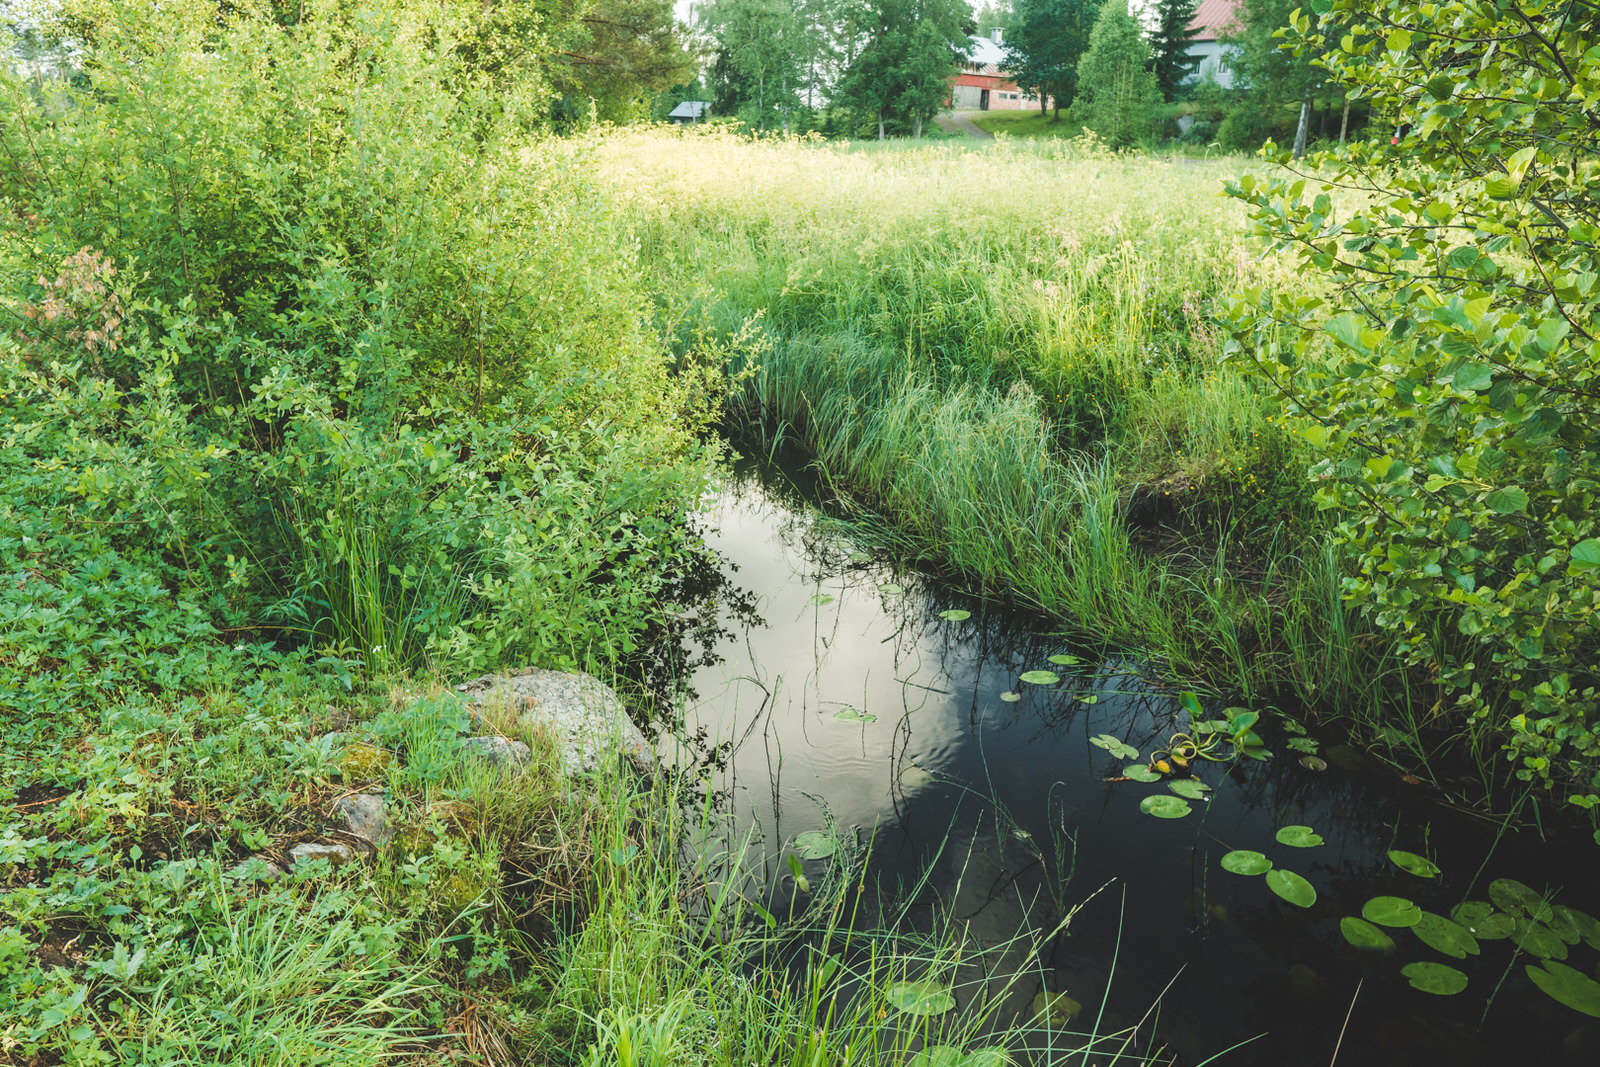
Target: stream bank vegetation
<point>323,377</point>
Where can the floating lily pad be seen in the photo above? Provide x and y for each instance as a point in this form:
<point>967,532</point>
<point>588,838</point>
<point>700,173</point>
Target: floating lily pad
<point>860,557</point>
<point>1189,787</point>
<point>1089,698</point>
<point>1442,935</point>
<point>1115,745</point>
<point>1291,887</point>
<point>1585,924</point>
<point>915,778</point>
<point>1537,939</point>
<point>920,998</point>
<point>891,589</point>
<point>1480,920</point>
<point>1061,660</point>
<point>1411,863</point>
<point>1313,763</point>
<point>1140,773</point>
<point>955,615</point>
<point>816,844</point>
<point>1435,978</point>
<point>1569,986</point>
<point>1243,861</point>
<point>1164,806</point>
<point>1010,697</point>
<point>1391,911</point>
<point>938,1056</point>
<point>821,598</point>
<point>1041,677</point>
<point>987,1057</point>
<point>853,715</point>
<point>1056,1008</point>
<point>1299,837</point>
<point>1562,922</point>
<point>1364,935</point>
<point>1511,895</point>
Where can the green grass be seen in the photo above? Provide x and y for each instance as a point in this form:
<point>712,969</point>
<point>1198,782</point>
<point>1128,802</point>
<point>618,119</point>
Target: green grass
<point>1027,123</point>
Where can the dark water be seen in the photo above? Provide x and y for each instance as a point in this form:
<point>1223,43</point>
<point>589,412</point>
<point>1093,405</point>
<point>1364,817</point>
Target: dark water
<point>998,816</point>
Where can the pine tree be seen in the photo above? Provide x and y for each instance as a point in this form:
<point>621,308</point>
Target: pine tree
<point>1170,43</point>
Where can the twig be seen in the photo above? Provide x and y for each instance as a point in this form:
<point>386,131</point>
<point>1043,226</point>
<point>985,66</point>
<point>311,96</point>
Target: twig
<point>1346,1025</point>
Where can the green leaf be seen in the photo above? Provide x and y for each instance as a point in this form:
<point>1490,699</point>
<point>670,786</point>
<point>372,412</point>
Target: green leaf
<point>1365,936</point>
<point>1164,806</point>
<point>1412,863</point>
<point>1539,940</point>
<point>820,599</point>
<point>853,715</point>
<point>937,1056</point>
<point>1586,555</point>
<point>1141,773</point>
<point>1291,887</point>
<point>920,998</point>
<point>955,615</point>
<point>891,589</point>
<point>1118,748</point>
<point>1189,787</point>
<point>1587,927</point>
<point>1299,837</point>
<point>1346,329</point>
<point>1243,861</point>
<point>1511,895</point>
<point>1479,919</point>
<point>1473,378</point>
<point>1041,677</point>
<point>1507,500</point>
<point>990,1056</point>
<point>1391,911</point>
<point>1435,978</point>
<point>1061,660</point>
<point>816,844</point>
<point>1568,986</point>
<point>1056,1009</point>
<point>1442,935</point>
<point>1011,696</point>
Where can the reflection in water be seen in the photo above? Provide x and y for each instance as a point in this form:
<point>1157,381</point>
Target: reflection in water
<point>846,701</point>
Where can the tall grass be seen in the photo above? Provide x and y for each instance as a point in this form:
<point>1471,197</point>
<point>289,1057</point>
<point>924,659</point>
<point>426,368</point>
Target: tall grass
<point>1008,353</point>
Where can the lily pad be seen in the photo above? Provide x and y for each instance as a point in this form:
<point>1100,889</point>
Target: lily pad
<point>816,844</point>
<point>987,1057</point>
<point>1537,939</point>
<point>1511,895</point>
<point>1041,677</point>
<point>1442,935</point>
<point>1189,787</point>
<point>1291,887</point>
<point>1391,911</point>
<point>1411,863</point>
<point>1164,806</point>
<point>1585,924</point>
<point>1568,985</point>
<point>1140,773</point>
<point>1010,696</point>
<point>1313,763</point>
<point>1299,837</point>
<point>1364,935</point>
<point>1115,745</point>
<point>1061,660</point>
<point>891,589</point>
<point>1056,1008</point>
<point>1562,921</point>
<point>1482,921</point>
<point>853,715</point>
<point>1243,861</point>
<point>955,615</point>
<point>937,1056</point>
<point>1435,978</point>
<point>920,998</point>
<point>820,599</point>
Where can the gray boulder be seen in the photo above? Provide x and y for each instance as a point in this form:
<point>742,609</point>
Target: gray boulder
<point>584,716</point>
<point>364,815</point>
<point>338,855</point>
<point>501,752</point>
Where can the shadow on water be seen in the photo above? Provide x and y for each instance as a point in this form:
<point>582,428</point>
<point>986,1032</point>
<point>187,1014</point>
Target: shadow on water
<point>841,697</point>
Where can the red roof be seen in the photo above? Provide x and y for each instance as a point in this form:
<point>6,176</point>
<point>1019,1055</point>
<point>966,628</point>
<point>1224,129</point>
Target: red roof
<point>1213,18</point>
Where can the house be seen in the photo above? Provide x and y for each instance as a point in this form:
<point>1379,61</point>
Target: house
<point>689,112</point>
<point>981,85</point>
<point>1213,19</point>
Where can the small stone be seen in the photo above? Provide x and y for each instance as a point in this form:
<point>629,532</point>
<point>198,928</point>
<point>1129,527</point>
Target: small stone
<point>499,751</point>
<point>364,816</point>
<point>337,855</point>
<point>256,869</point>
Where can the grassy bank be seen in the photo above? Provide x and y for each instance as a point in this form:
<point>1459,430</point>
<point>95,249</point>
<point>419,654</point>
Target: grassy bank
<point>1008,353</point>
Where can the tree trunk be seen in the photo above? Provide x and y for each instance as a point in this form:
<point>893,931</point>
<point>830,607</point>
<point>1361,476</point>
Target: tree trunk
<point>880,124</point>
<point>1044,100</point>
<point>1300,134</point>
<point>1344,123</point>
<point>917,127</point>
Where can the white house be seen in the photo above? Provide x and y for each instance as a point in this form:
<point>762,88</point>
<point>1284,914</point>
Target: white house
<point>1213,18</point>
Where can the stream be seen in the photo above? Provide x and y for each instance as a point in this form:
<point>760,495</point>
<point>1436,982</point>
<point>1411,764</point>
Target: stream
<point>855,699</point>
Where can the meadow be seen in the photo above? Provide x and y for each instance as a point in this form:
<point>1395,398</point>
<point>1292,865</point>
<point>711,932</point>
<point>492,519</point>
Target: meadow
<point>1004,357</point>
